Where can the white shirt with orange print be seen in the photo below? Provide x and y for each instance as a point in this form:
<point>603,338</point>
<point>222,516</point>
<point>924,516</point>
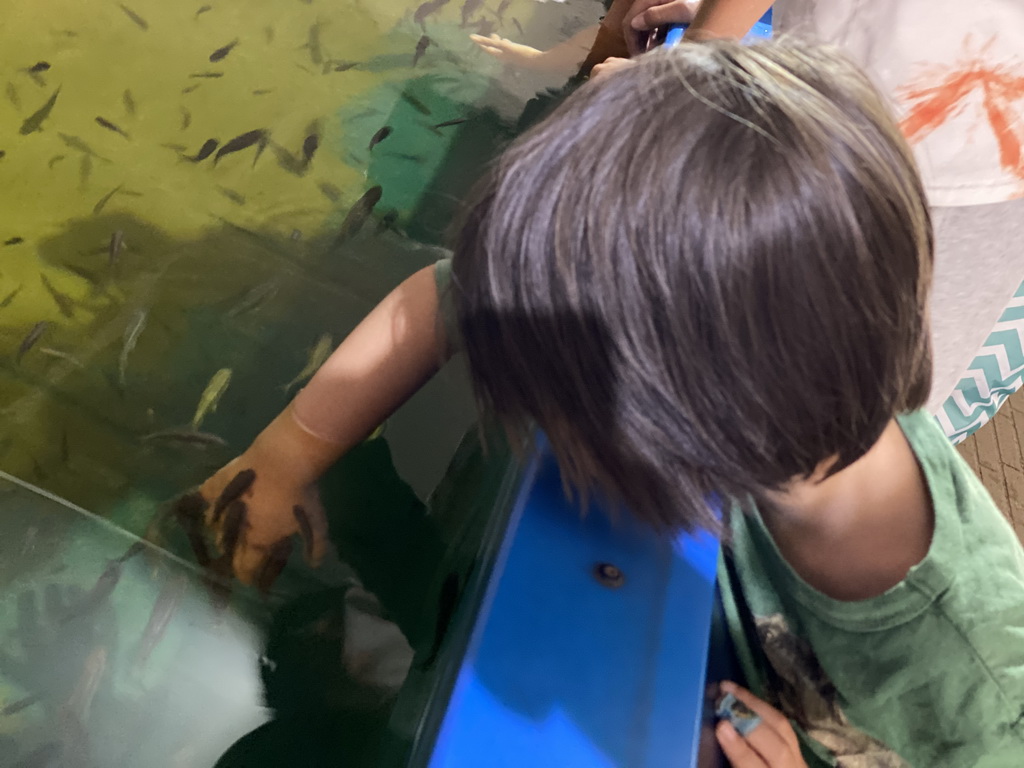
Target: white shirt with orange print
<point>955,71</point>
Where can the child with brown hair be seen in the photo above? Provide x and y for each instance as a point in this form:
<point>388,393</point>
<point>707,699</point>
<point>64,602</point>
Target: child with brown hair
<point>729,300</point>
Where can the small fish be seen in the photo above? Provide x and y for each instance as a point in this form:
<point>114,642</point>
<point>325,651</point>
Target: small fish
<point>39,66</point>
<point>29,341</point>
<point>254,299</point>
<point>416,104</point>
<point>189,89</point>
<point>14,241</point>
<point>115,248</point>
<point>84,171</point>
<point>111,127</point>
<point>420,159</point>
<point>140,22</point>
<point>276,560</point>
<point>10,297</point>
<point>164,608</point>
<point>235,197</point>
<point>429,7</point>
<point>241,142</point>
<point>233,491</point>
<point>188,511</point>
<point>316,51</point>
<point>317,356</point>
<point>309,147</point>
<point>35,121</point>
<point>12,95</point>
<point>358,214</point>
<point>449,123</point>
<point>421,48</point>
<point>202,10</point>
<point>75,143</point>
<point>54,160</point>
<point>207,75</point>
<point>468,9</point>
<point>50,352</point>
<point>211,396</point>
<point>187,436</point>
<point>341,66</point>
<point>2,154</point>
<point>64,302</point>
<point>16,706</point>
<point>286,160</point>
<point>132,331</point>
<point>518,26</point>
<point>330,191</point>
<point>305,530</point>
<point>102,203</point>
<point>129,103</point>
<point>204,151</point>
<point>379,136</point>
<point>97,596</point>
<point>231,532</point>
<point>268,34</point>
<point>502,7</point>
<point>484,27</point>
<point>223,51</point>
<point>186,118</point>
<point>262,91</point>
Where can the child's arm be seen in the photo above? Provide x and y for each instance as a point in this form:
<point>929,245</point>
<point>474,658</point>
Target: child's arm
<point>567,55</point>
<point>388,356</point>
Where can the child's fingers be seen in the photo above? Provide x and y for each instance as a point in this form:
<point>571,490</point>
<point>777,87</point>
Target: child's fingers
<point>737,750</point>
<point>776,721</point>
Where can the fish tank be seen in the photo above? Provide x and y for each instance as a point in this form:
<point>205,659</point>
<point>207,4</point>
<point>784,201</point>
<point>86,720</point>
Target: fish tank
<point>199,201</point>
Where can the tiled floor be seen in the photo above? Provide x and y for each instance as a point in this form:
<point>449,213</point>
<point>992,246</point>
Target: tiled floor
<point>995,453</point>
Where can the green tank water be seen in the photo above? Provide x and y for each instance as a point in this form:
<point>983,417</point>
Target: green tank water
<point>196,202</point>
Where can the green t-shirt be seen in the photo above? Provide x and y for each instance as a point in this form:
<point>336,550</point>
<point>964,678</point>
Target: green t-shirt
<point>928,674</point>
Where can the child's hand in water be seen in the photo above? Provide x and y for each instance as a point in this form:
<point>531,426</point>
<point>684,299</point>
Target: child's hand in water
<point>516,54</point>
<point>771,744</point>
<point>255,506</point>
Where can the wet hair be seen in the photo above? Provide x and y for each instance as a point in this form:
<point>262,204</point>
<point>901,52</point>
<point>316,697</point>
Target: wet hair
<point>707,274</point>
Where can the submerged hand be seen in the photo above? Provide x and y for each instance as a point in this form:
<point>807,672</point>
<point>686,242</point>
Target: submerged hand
<point>516,54</point>
<point>771,744</point>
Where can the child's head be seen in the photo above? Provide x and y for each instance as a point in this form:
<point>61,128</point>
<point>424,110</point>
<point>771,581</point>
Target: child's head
<point>707,274</point>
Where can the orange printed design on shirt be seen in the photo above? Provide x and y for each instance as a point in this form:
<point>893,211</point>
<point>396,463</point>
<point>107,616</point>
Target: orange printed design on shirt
<point>940,94</point>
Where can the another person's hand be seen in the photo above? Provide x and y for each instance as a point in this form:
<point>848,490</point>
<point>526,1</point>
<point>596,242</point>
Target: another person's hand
<point>608,67</point>
<point>646,15</point>
<point>772,744</point>
<point>515,54</point>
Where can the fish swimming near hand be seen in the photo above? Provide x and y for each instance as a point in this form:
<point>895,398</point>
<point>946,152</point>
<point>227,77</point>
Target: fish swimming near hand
<point>235,197</point>
<point>379,136</point>
<point>316,51</point>
<point>187,436</point>
<point>102,202</point>
<point>449,123</point>
<point>84,171</point>
<point>112,127</point>
<point>203,9</point>
<point>12,95</point>
<point>358,214</point>
<point>421,48</point>
<point>223,51</point>
<point>254,299</point>
<point>387,221</point>
<point>415,103</point>
<point>39,66</point>
<point>234,525</point>
<point>186,119</point>
<point>309,147</point>
<point>66,357</point>
<point>502,7</point>
<point>287,161</point>
<point>204,151</point>
<point>129,102</point>
<point>211,396</point>
<point>243,141</point>
<point>329,191</point>
<point>427,8</point>
<point>317,356</point>
<point>233,491</point>
<point>115,248</point>
<point>468,9</point>
<point>64,303</point>
<point>34,122</point>
<point>30,340</point>
<point>6,302</point>
<point>140,22</point>
<point>206,75</point>
<point>97,596</point>
<point>14,241</point>
<point>75,143</point>
<point>132,332</point>
<point>164,608</point>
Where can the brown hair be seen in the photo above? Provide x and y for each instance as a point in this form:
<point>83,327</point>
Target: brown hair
<point>708,274</point>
